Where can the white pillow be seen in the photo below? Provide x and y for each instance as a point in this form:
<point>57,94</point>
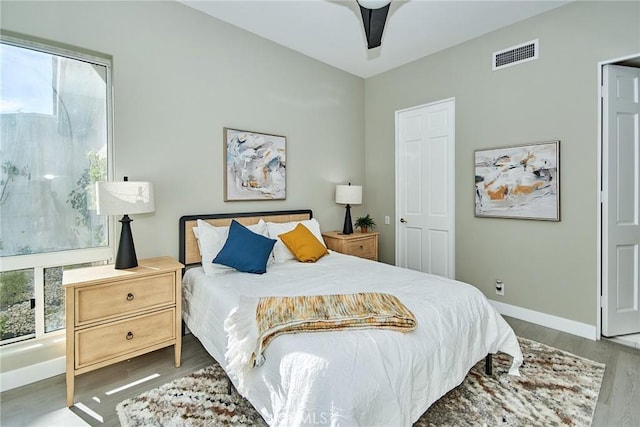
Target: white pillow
<point>280,251</point>
<point>211,239</point>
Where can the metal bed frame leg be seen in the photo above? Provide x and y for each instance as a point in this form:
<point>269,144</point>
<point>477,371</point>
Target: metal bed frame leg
<point>488,364</point>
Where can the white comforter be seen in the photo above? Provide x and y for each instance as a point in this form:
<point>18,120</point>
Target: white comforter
<point>359,377</point>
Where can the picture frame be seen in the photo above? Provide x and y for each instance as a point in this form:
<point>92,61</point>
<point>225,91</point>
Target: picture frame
<point>520,181</point>
<point>254,165</point>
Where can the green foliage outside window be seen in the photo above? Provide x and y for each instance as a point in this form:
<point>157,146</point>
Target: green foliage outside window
<point>13,288</point>
<point>16,287</point>
<point>9,172</point>
<point>80,198</point>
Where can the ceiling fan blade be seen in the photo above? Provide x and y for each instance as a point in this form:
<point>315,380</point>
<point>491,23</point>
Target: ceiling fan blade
<point>374,20</point>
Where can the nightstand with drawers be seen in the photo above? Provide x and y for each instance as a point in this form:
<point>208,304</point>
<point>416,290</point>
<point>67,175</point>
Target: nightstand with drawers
<point>363,245</point>
<point>114,315</point>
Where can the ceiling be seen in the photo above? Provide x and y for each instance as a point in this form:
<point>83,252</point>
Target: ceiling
<point>331,31</point>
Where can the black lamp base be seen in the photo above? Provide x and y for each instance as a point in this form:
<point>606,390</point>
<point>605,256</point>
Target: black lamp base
<point>348,225</point>
<point>126,257</point>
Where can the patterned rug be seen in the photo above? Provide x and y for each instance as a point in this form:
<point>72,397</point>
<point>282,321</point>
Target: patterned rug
<point>555,388</point>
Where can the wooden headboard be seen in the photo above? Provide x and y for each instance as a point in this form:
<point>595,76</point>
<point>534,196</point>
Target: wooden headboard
<point>189,254</point>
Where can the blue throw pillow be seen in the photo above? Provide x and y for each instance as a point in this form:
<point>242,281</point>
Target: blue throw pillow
<point>245,250</point>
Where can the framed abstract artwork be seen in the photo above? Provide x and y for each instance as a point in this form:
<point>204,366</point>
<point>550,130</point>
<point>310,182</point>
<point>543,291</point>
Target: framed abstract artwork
<point>518,182</point>
<point>255,166</point>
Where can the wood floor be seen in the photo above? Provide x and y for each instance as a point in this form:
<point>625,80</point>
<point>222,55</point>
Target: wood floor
<point>43,403</point>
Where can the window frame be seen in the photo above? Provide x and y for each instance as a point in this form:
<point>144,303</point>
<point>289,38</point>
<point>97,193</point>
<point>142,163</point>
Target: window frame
<point>40,261</point>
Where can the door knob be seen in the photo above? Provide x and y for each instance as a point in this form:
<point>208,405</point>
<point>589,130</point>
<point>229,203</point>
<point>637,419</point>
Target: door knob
<point>402,220</point>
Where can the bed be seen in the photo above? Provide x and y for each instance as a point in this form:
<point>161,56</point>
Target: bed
<point>366,377</point>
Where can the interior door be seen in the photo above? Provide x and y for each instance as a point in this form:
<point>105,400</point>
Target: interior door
<point>425,167</point>
<point>621,201</point>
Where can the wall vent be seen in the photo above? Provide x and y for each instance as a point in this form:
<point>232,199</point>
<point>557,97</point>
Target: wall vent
<point>515,55</point>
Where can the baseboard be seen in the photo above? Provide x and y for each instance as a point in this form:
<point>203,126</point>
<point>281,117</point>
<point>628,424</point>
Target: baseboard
<point>31,374</point>
<point>547,320</point>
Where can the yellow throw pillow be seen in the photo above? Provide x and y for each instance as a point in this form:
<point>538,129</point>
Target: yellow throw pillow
<point>303,244</point>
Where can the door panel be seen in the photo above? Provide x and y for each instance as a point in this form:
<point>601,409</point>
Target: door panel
<point>438,191</point>
<point>413,172</point>
<point>413,248</point>
<point>621,201</point>
<point>439,243</point>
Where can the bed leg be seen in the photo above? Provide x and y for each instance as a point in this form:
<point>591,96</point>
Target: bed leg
<point>488,364</point>
<point>229,385</point>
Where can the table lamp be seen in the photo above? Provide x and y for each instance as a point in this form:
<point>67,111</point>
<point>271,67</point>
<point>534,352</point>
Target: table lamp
<point>349,195</point>
<point>124,198</point>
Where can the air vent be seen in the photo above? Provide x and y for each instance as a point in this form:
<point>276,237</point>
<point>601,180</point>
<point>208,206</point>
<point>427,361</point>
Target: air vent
<point>515,55</point>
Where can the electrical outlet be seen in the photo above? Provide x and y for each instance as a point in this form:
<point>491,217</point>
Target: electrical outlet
<point>387,220</point>
<point>499,287</point>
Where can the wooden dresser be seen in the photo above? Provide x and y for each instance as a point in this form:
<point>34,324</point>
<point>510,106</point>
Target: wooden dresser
<point>363,245</point>
<point>114,315</point>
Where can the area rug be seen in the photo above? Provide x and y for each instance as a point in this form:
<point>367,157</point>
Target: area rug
<point>555,388</point>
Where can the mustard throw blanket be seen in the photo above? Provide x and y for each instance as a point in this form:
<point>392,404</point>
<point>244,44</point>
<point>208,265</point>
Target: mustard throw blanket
<point>257,321</point>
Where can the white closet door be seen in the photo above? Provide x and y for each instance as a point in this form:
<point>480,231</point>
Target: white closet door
<point>621,201</point>
<point>425,160</point>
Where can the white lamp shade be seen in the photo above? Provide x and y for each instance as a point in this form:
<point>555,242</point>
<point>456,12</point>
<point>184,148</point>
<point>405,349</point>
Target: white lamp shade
<point>349,194</point>
<point>124,198</point>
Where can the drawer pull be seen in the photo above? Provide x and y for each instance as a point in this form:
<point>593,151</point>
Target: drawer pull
<point>130,296</point>
<point>361,247</point>
<point>129,336</point>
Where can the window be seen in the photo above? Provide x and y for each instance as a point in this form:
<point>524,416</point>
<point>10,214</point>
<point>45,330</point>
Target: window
<point>55,127</point>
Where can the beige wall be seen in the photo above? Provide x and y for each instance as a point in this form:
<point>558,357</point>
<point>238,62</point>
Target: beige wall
<point>180,76</point>
<point>547,267</point>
